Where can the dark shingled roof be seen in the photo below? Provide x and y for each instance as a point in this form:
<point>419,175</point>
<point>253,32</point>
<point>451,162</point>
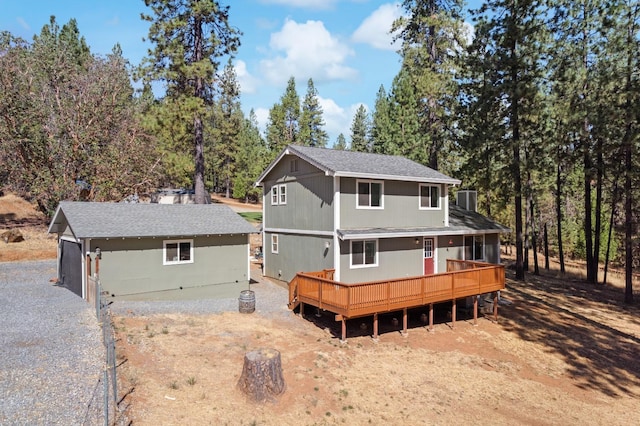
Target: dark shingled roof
<point>461,218</point>
<point>130,220</point>
<point>362,164</point>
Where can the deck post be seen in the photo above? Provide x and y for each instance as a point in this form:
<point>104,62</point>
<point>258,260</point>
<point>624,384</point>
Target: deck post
<point>301,309</point>
<point>453,313</point>
<point>404,322</point>
<point>475,310</point>
<point>430,316</point>
<point>375,326</point>
<point>495,306</point>
<point>344,331</point>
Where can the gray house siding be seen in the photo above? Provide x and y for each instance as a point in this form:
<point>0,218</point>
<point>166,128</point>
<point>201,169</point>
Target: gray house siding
<point>397,258</point>
<point>492,248</point>
<point>297,253</point>
<point>400,201</point>
<point>309,204</point>
<point>133,269</point>
<point>449,247</point>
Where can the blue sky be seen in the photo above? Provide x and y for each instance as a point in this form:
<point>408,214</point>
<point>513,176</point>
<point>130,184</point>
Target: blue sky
<point>343,45</point>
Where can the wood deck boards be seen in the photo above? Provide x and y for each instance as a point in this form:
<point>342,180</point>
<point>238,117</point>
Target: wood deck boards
<point>352,300</point>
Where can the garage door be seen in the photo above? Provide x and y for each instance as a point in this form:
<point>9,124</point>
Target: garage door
<point>71,266</point>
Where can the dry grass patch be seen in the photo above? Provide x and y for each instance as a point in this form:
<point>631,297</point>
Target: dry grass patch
<point>560,354</point>
<point>16,213</point>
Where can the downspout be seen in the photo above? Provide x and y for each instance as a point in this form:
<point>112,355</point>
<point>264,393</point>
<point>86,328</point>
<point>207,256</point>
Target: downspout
<point>264,226</point>
<point>336,226</point>
<point>446,205</point>
<point>86,249</point>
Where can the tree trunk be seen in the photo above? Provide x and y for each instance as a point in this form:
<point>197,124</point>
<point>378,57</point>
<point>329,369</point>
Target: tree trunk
<point>546,248</point>
<point>261,378</point>
<point>200,193</point>
<point>559,212</point>
<point>597,210</point>
<point>515,165</point>
<point>534,242</point>
<point>614,202</point>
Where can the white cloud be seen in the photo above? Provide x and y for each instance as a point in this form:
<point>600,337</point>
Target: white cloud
<point>375,29</point>
<point>310,51</point>
<point>23,23</point>
<point>337,119</point>
<point>248,83</point>
<point>308,4</point>
<point>113,22</point>
<point>262,116</point>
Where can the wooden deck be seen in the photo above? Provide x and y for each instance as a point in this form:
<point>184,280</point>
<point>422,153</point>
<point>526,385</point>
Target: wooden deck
<point>462,279</point>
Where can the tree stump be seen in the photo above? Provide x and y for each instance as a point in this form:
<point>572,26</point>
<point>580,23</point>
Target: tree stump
<point>261,378</point>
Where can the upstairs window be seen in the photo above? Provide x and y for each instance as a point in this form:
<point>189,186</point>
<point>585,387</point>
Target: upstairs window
<point>293,165</point>
<point>429,197</point>
<point>364,253</point>
<point>282,191</point>
<point>279,194</point>
<point>177,252</point>
<point>369,194</point>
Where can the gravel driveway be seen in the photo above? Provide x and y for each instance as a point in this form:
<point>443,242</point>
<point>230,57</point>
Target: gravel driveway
<point>51,351</point>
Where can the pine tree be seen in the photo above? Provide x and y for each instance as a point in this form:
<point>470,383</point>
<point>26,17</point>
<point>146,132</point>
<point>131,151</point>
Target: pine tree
<point>311,122</point>
<point>381,127</point>
<point>432,35</point>
<point>189,36</point>
<point>276,131</point>
<point>227,121</point>
<point>513,30</point>
<point>360,131</point>
<point>341,143</point>
<point>406,138</point>
<point>250,160</point>
<point>290,102</point>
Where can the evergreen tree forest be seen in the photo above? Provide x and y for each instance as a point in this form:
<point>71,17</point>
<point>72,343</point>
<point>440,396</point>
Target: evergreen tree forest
<point>536,106</point>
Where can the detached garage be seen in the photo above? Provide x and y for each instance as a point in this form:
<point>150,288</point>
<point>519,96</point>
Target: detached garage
<point>153,251</point>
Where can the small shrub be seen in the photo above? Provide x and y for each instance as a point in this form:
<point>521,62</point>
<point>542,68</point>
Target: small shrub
<point>191,381</point>
<point>173,385</point>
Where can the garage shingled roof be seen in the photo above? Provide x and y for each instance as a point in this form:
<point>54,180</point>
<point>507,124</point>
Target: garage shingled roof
<point>131,220</point>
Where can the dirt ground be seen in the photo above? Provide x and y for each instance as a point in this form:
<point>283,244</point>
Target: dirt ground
<point>563,352</point>
<point>16,213</point>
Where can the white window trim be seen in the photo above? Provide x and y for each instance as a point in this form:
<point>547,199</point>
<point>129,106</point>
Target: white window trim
<point>420,207</point>
<point>282,192</point>
<point>275,238</point>
<point>364,265</point>
<point>370,207</point>
<point>176,262</point>
<point>277,194</point>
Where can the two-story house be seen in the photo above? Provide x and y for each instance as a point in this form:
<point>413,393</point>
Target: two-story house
<point>367,216</point>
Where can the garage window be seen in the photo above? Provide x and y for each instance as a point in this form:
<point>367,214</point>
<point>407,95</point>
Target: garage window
<point>178,251</point>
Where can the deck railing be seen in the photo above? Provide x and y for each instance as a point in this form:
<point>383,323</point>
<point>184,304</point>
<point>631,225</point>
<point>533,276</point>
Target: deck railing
<point>462,279</point>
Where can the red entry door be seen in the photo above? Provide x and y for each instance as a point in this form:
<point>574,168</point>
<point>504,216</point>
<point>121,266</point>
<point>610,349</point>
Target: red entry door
<point>428,256</point>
